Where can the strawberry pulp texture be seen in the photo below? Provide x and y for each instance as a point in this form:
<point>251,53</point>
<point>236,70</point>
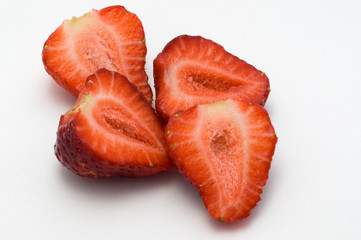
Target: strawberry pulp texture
<point>111,131</point>
<point>111,38</point>
<point>225,150</point>
<point>193,70</point>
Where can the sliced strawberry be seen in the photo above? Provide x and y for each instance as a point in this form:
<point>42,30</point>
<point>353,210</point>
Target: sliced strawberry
<point>111,38</point>
<point>225,149</point>
<point>111,131</point>
<point>193,70</point>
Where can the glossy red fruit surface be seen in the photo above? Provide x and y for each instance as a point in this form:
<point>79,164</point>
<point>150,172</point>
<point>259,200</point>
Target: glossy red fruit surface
<point>111,38</point>
<point>225,149</point>
<point>111,131</point>
<point>193,70</point>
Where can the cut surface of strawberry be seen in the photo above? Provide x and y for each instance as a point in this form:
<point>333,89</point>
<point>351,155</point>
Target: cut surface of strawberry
<point>111,131</point>
<point>225,150</point>
<point>193,70</point>
<point>111,38</point>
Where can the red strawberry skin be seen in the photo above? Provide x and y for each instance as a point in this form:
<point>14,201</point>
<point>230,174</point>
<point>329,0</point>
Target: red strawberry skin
<point>111,131</point>
<point>225,149</point>
<point>111,38</point>
<point>193,70</point>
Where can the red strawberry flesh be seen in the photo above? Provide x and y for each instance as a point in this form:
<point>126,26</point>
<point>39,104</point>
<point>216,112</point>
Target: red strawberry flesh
<point>111,131</point>
<point>193,70</point>
<point>111,38</point>
<point>225,149</point>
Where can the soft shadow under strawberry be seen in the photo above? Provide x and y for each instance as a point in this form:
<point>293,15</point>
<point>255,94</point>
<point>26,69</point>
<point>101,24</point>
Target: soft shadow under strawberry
<point>116,188</point>
<point>59,94</point>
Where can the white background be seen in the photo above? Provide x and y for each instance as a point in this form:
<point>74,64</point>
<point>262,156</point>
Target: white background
<point>311,52</point>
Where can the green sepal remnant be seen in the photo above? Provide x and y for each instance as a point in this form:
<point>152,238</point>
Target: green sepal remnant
<point>76,108</point>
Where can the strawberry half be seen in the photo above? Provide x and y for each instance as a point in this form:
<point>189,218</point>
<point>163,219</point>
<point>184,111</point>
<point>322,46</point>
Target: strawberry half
<point>193,70</point>
<point>111,131</point>
<point>225,149</point>
<point>111,38</point>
